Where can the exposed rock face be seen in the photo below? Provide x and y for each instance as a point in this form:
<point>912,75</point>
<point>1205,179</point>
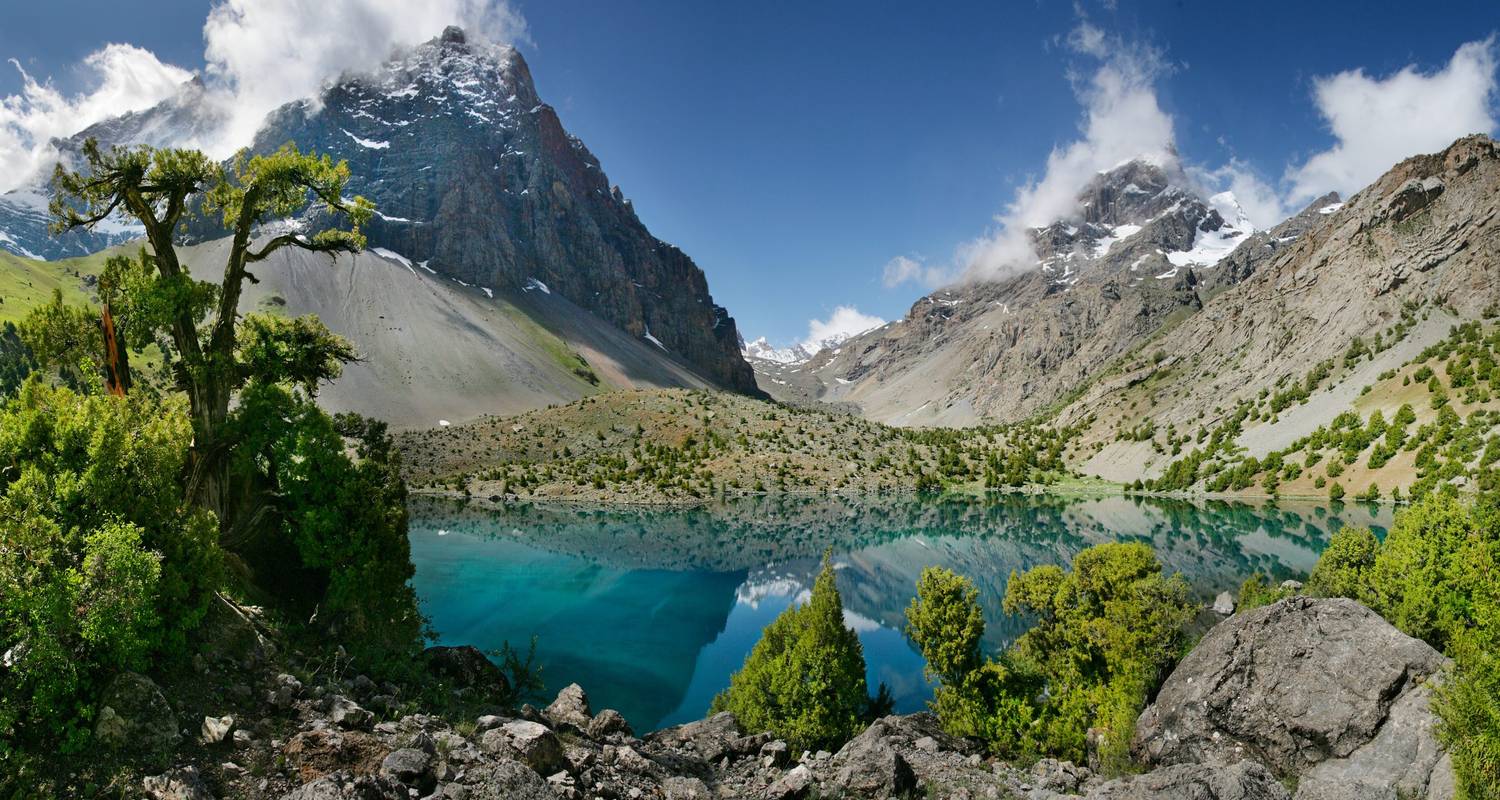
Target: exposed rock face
<point>1324,690</point>
<point>1399,243</point>
<point>1245,780</point>
<point>1002,348</point>
<point>571,709</point>
<point>475,178</point>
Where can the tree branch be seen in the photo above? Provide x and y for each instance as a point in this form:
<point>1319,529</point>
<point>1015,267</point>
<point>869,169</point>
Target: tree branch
<point>295,240</point>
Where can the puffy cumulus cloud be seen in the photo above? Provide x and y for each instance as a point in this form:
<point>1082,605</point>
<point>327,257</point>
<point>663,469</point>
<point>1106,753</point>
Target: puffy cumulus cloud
<point>844,322</point>
<point>1122,121</point>
<point>263,53</point>
<point>123,78</point>
<point>1379,121</point>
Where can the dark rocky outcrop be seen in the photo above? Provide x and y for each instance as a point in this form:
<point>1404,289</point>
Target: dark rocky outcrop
<point>476,179</point>
<point>466,668</point>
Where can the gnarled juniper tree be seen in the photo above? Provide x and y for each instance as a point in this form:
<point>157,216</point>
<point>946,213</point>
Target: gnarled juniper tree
<point>196,323</point>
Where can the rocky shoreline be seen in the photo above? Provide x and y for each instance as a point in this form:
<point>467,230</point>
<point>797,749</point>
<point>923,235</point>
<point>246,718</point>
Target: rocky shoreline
<point>1300,700</point>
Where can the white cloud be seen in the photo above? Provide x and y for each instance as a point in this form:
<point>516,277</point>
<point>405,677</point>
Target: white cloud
<point>125,78</point>
<point>264,53</point>
<point>1379,121</point>
<point>259,54</point>
<point>1260,200</point>
<point>1122,121</point>
<point>844,322</point>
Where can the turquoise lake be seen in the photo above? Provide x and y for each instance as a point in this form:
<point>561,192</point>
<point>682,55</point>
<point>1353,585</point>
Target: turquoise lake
<point>651,610</point>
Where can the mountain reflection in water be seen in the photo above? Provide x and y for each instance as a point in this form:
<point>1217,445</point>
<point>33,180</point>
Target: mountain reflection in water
<point>652,609</point>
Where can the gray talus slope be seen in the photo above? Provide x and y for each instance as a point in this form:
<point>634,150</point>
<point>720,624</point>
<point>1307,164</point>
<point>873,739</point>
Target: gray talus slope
<point>432,349</point>
<point>1425,235</point>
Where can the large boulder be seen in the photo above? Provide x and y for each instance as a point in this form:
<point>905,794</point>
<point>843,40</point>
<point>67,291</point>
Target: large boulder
<point>466,667</point>
<point>888,758</point>
<point>134,716</point>
<point>530,742</point>
<point>507,780</point>
<point>1323,690</point>
<point>1245,780</point>
<point>570,709</point>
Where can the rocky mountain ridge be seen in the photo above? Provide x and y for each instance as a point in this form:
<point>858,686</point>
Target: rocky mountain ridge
<point>1126,265</point>
<point>476,180</point>
<point>1399,263</point>
<point>187,118</point>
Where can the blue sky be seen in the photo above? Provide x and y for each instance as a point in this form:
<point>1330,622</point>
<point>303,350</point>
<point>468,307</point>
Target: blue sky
<point>794,149</point>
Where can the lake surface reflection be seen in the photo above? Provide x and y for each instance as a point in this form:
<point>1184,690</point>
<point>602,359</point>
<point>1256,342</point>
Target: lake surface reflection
<point>652,609</point>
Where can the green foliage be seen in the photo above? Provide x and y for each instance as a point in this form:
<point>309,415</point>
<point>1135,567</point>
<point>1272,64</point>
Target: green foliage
<point>102,567</point>
<point>16,360</point>
<point>805,679</point>
<point>1342,569</point>
<point>1105,635</point>
<point>336,538</point>
<point>300,351</point>
<point>1257,591</point>
<point>1434,577</point>
<point>65,338</point>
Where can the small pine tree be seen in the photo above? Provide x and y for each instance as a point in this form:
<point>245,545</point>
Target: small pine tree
<point>804,681</point>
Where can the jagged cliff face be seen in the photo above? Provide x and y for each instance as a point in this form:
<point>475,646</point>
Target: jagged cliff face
<point>1132,261</point>
<point>475,178</point>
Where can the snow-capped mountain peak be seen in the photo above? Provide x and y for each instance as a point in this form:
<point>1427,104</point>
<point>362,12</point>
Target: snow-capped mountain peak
<point>762,350</point>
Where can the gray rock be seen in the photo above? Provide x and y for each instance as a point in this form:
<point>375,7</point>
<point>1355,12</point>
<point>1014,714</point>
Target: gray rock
<point>1224,604</point>
<point>1245,780</point>
<point>1059,776</point>
<point>530,742</point>
<point>488,722</point>
<point>628,759</point>
<point>507,780</point>
<point>178,784</point>
<point>134,716</point>
<point>343,786</point>
<point>794,785</point>
<point>711,739</point>
<point>285,692</point>
<point>606,722</point>
<point>680,788</point>
<point>1291,685</point>
<point>347,714</point>
<point>466,667</point>
<point>1403,761</point>
<point>563,785</point>
<point>411,766</point>
<point>570,709</point>
<point>775,754</point>
<point>870,766</point>
<point>215,729</point>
